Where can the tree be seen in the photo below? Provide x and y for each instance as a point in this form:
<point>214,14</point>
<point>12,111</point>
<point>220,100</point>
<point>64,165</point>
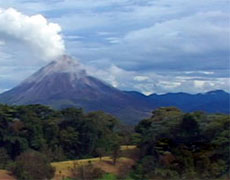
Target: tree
<point>34,166</point>
<point>115,153</point>
<point>66,134</point>
<point>70,141</point>
<point>100,152</point>
<point>184,145</point>
<point>4,158</point>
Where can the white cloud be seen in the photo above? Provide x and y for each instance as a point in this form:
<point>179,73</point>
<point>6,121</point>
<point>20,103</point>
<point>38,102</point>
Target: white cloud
<point>150,82</point>
<point>113,40</point>
<point>199,83</point>
<point>141,78</point>
<point>2,43</point>
<point>176,44</point>
<point>199,72</point>
<point>33,32</point>
<point>197,34</point>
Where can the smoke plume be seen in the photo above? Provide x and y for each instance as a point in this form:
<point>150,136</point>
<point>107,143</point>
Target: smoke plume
<point>33,32</point>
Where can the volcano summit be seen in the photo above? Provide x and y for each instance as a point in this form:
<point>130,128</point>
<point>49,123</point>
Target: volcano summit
<point>65,83</point>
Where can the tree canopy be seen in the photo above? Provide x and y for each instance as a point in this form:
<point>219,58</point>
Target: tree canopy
<point>66,134</point>
<point>183,145</point>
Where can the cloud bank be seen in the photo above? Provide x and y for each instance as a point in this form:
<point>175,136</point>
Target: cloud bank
<point>150,46</point>
<point>34,33</point>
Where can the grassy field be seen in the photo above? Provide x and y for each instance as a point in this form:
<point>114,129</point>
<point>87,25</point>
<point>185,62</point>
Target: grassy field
<point>124,163</point>
<point>64,169</point>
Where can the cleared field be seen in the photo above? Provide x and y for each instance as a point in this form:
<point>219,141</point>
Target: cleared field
<point>63,169</point>
<point>5,175</point>
<point>124,163</point>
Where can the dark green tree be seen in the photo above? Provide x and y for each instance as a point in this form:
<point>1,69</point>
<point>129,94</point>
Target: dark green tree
<point>4,158</point>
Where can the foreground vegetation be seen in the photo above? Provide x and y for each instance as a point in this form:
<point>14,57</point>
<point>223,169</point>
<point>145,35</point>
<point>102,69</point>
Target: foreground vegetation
<point>172,145</point>
<point>61,135</point>
<point>93,168</point>
<point>175,145</point>
<point>58,135</point>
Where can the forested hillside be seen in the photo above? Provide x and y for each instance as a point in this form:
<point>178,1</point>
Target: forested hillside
<point>172,144</point>
<point>177,145</point>
<point>59,135</point>
<point>65,134</point>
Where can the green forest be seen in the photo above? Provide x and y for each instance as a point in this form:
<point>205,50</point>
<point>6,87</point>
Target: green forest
<point>172,144</point>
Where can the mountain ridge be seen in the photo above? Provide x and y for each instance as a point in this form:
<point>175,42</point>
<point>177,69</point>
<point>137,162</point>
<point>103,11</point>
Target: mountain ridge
<point>215,101</point>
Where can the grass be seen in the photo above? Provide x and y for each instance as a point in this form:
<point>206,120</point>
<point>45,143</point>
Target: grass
<point>63,169</point>
<point>66,166</point>
<point>123,165</point>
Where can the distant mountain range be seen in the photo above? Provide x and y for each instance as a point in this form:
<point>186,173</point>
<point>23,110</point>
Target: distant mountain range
<point>65,83</point>
<point>213,101</point>
<point>217,101</point>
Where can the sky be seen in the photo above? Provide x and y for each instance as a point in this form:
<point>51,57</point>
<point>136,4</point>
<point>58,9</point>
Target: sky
<point>151,46</point>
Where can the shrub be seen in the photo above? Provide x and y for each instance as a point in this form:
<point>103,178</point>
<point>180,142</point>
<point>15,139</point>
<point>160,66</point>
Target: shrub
<point>32,165</point>
<point>86,172</point>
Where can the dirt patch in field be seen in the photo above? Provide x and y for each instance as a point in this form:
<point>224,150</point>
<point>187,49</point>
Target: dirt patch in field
<point>6,175</point>
<point>121,168</point>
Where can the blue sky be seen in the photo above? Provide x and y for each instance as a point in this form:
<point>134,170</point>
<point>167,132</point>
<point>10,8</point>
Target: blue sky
<point>152,46</point>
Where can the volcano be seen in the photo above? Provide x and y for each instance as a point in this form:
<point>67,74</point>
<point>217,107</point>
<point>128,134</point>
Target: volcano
<point>65,83</point>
